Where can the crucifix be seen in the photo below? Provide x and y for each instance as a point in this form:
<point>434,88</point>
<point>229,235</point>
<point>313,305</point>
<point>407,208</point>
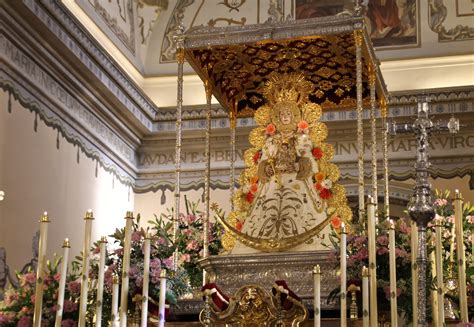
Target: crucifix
<point>420,207</point>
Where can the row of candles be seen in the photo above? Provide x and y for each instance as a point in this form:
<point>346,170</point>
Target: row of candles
<point>369,287</point>
<point>119,315</point>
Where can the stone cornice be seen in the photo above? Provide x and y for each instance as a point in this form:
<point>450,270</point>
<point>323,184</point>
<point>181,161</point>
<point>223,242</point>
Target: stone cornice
<point>65,27</point>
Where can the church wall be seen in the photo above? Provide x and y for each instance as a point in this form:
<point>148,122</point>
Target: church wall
<point>37,176</point>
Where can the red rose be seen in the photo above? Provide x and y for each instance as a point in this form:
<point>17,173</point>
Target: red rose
<point>249,197</point>
<point>325,194</point>
<point>256,157</point>
<point>317,153</point>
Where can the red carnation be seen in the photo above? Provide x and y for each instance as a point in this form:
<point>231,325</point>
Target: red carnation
<point>325,194</point>
<point>239,226</point>
<point>256,157</point>
<point>317,153</point>
<point>318,186</point>
<point>249,197</point>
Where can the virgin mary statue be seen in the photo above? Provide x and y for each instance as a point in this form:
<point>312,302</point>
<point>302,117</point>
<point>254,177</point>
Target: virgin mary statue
<point>289,190</point>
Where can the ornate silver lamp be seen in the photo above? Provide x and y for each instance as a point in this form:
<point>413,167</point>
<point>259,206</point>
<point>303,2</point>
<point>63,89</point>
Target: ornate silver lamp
<point>421,208</point>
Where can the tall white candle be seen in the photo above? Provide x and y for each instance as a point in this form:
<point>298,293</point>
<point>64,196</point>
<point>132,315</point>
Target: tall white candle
<point>62,283</point>
<point>317,296</point>
<point>372,262</point>
<point>100,281</point>
<point>43,241</point>
<point>115,298</point>
<point>458,221</point>
<point>162,301</point>
<point>85,268</point>
<point>343,277</point>
<point>439,272</point>
<point>125,268</point>
<point>434,294</point>
<point>146,279</point>
<point>393,275</point>
<point>414,272</point>
<point>365,297</point>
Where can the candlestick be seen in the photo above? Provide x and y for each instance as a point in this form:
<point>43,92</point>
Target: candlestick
<point>89,217</point>
<point>393,275</point>
<point>372,262</point>
<point>100,281</point>
<point>162,298</point>
<point>62,283</point>
<point>146,279</point>
<point>439,272</point>
<point>125,268</point>
<point>365,297</point>
<point>115,297</point>
<point>458,222</point>
<point>343,277</point>
<point>414,272</point>
<point>43,241</point>
<point>317,296</point>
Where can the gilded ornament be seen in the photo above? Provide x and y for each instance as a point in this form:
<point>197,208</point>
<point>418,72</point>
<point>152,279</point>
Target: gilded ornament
<point>262,116</point>
<point>288,87</point>
<point>345,213</point>
<point>257,137</point>
<point>332,172</point>
<point>228,241</point>
<point>318,133</point>
<point>248,157</point>
<point>311,112</point>
<point>328,151</point>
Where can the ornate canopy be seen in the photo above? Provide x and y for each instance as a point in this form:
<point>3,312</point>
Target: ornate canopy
<point>236,61</point>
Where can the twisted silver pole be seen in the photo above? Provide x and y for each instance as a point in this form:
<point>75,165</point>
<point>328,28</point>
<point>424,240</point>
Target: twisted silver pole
<point>360,128</point>
<point>179,39</point>
<point>373,125</point>
<point>233,126</point>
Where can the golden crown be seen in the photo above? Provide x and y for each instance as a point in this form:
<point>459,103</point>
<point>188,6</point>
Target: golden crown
<point>287,87</point>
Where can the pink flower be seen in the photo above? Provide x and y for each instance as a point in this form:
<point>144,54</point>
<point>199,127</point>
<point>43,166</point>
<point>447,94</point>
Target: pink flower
<point>6,317</point>
<point>57,277</point>
<point>139,281</point>
<point>451,219</point>
<point>191,218</point>
<point>382,251</point>
<point>185,257</point>
<point>187,232</point>
<point>400,253</point>
<point>24,322</point>
<point>168,263</point>
<point>136,236</point>
<point>119,251</point>
<point>441,202</point>
<point>192,245</point>
<point>74,287</point>
<point>133,272</point>
<point>382,240</point>
<point>69,306</point>
<point>29,278</point>
<point>68,323</point>
<point>96,250</point>
<point>470,219</point>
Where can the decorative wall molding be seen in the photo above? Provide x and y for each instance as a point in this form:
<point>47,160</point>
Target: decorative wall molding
<point>451,156</point>
<point>83,46</point>
<point>126,15</point>
<point>168,51</point>
<point>437,14</point>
